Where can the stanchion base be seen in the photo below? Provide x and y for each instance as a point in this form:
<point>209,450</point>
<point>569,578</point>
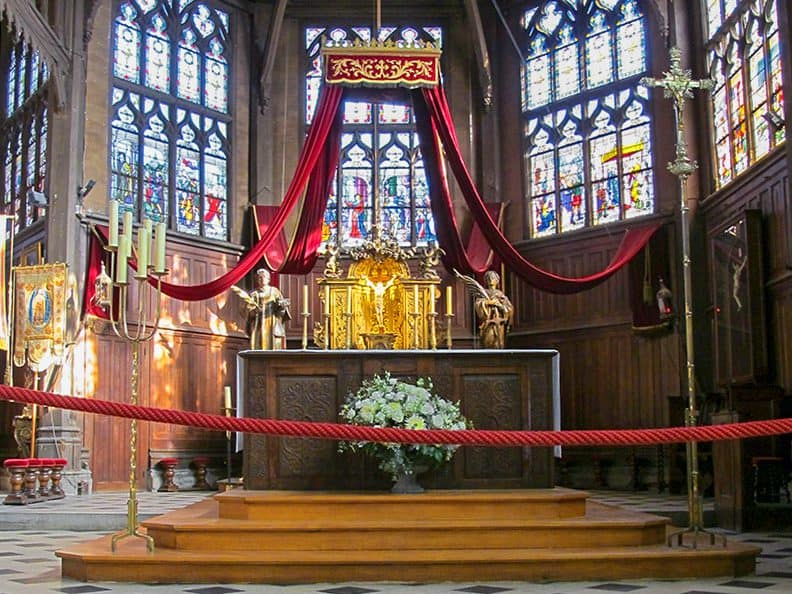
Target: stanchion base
<point>137,533</point>
<point>679,536</point>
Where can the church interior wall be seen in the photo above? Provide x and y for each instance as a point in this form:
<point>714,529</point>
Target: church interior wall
<point>612,377</point>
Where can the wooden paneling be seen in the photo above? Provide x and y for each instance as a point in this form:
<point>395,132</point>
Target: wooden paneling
<point>504,390</point>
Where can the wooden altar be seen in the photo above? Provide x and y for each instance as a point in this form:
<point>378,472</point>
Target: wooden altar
<point>509,390</point>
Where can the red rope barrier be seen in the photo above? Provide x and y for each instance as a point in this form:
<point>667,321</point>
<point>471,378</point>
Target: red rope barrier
<point>470,437</point>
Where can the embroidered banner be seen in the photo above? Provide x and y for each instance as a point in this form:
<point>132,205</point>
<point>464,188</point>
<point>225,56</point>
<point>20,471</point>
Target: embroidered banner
<point>387,66</point>
<point>39,315</point>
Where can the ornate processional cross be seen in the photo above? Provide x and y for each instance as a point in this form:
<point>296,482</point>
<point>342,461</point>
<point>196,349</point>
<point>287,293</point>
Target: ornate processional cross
<point>678,85</point>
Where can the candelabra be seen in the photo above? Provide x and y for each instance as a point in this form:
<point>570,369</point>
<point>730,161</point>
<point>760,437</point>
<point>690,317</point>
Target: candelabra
<point>142,328</point>
<point>432,330</point>
<point>678,85</point>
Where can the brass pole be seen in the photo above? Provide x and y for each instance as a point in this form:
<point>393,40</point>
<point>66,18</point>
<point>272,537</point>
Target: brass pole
<point>678,85</point>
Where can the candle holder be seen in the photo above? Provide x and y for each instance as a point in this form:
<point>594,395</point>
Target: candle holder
<point>448,317</point>
<point>144,328</point>
<point>228,411</point>
<point>432,315</point>
<point>305,316</point>
<point>415,315</point>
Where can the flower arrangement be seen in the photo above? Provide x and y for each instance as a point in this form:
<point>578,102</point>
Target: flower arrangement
<point>384,401</point>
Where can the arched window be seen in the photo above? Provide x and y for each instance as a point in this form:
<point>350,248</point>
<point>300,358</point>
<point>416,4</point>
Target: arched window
<point>588,124</point>
<point>23,135</point>
<point>380,164</point>
<point>169,139</point>
<point>744,59</point>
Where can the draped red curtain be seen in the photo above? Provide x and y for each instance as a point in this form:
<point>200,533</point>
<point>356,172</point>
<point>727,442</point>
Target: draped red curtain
<point>435,126</point>
<point>315,170</point>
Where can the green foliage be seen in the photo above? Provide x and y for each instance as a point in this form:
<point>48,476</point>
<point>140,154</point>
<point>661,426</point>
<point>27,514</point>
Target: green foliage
<point>384,401</point>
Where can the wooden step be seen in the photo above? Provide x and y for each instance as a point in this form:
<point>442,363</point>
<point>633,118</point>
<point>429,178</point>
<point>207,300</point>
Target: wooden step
<point>601,526</point>
<point>284,537</point>
<point>239,504</point>
<point>94,561</point>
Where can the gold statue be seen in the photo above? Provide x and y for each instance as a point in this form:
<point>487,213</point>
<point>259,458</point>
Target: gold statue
<point>267,310</point>
<point>494,310</point>
<point>379,289</point>
<point>331,269</point>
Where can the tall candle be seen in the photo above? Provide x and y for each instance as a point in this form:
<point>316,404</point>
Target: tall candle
<point>415,298</point>
<point>305,300</point>
<point>142,253</point>
<point>159,247</point>
<point>349,300</point>
<point>449,301</point>
<point>112,240</point>
<point>128,224</point>
<point>123,254</point>
<point>227,399</point>
<point>431,300</point>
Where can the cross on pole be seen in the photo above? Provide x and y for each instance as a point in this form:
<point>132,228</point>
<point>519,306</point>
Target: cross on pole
<point>678,85</point>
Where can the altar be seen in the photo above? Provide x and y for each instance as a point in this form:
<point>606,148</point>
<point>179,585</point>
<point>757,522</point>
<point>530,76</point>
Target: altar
<point>503,390</point>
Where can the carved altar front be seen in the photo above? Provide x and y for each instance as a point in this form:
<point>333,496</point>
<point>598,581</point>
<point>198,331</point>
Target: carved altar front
<point>508,390</point>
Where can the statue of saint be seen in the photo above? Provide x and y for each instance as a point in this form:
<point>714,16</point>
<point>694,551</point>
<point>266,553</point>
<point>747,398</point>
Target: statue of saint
<point>493,308</point>
<point>267,310</point>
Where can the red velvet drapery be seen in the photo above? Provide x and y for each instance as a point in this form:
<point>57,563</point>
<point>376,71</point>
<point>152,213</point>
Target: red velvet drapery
<point>315,169</point>
<point>433,118</point>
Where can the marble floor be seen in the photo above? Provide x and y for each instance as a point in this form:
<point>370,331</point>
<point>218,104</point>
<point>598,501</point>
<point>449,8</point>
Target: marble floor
<point>29,536</point>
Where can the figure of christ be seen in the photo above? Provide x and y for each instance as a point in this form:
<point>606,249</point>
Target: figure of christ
<point>379,288</point>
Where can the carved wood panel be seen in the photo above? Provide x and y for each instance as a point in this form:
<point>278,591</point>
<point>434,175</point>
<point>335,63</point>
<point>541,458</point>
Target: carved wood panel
<point>493,402</point>
<point>498,390</point>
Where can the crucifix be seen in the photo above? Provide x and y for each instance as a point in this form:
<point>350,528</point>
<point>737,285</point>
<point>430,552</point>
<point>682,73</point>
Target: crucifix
<point>678,85</point>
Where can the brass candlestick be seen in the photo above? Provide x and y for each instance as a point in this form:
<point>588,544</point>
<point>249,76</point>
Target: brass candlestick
<point>146,325</point>
<point>432,330</point>
<point>448,318</point>
<point>305,316</point>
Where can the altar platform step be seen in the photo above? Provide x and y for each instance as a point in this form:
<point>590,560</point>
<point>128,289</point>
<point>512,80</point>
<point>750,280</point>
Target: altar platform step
<point>448,536</point>
<point>601,525</point>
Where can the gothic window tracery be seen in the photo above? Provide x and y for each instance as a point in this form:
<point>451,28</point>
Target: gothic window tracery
<point>380,164</point>
<point>587,121</point>
<point>169,138</point>
<point>744,60</point>
<point>23,135</point>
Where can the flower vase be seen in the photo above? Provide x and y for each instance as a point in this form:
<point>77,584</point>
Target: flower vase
<point>406,482</point>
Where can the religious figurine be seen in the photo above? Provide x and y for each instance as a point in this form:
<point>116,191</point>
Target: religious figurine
<point>331,269</point>
<point>494,310</point>
<point>431,258</point>
<point>379,289</point>
<point>267,310</point>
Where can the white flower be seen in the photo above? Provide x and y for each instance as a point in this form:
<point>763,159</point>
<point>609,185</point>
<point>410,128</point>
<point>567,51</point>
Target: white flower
<point>384,401</point>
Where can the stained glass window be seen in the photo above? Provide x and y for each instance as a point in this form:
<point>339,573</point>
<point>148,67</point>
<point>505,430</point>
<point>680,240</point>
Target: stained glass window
<point>380,166</point>
<point>23,135</point>
<point>169,139</point>
<point>748,99</point>
<point>587,120</point>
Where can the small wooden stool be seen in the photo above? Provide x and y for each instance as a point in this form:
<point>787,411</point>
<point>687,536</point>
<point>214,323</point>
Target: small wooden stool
<point>44,477</point>
<point>200,463</point>
<point>169,466</point>
<point>17,467</point>
<point>30,490</point>
<point>56,491</point>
